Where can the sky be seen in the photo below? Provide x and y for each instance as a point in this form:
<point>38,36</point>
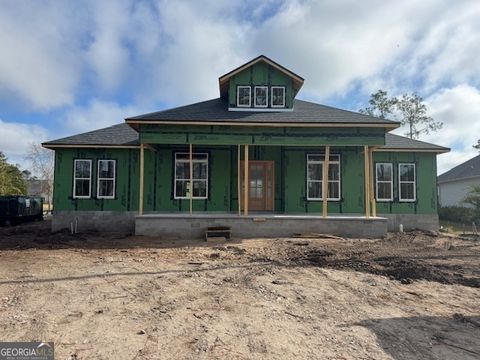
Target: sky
<point>68,67</point>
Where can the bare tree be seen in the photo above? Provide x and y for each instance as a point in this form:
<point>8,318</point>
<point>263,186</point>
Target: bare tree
<point>42,165</point>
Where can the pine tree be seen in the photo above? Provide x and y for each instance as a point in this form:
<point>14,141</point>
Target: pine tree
<point>12,181</point>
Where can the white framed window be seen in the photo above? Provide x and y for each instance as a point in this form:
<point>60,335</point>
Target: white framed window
<point>261,96</point>
<point>278,96</point>
<point>244,96</point>
<point>407,182</point>
<point>315,177</point>
<point>384,181</point>
<point>182,176</point>
<point>106,179</point>
<point>82,179</point>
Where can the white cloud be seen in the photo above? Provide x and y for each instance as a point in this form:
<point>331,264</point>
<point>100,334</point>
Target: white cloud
<point>459,110</point>
<point>173,52</point>
<point>38,63</point>
<point>207,42</point>
<point>440,51</point>
<point>108,55</point>
<point>97,114</point>
<point>17,137</point>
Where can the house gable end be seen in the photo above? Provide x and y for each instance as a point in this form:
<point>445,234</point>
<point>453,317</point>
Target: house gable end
<point>260,85</point>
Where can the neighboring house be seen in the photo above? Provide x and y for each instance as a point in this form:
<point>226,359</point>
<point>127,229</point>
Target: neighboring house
<point>456,183</point>
<point>258,157</point>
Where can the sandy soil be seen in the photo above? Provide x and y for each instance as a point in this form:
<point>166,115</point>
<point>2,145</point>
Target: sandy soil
<point>410,296</point>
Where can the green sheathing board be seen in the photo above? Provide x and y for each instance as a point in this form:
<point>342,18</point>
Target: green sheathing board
<point>290,180</point>
<point>126,186</point>
<point>351,183</point>
<point>233,135</point>
<point>426,183</point>
<point>260,74</point>
<point>159,184</point>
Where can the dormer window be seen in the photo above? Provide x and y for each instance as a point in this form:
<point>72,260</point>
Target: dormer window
<point>278,96</point>
<point>243,96</point>
<point>261,96</point>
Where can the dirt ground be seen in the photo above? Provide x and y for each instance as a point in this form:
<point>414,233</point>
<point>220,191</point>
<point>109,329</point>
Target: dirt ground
<point>409,296</point>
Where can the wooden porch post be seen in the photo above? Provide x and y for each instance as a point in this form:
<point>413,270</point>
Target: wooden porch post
<point>245,181</point>
<point>373,204</point>
<point>142,166</point>
<point>191,179</point>
<point>367,181</point>
<point>326,161</point>
<point>239,183</point>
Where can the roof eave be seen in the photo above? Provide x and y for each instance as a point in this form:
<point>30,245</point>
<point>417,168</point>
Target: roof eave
<point>438,151</point>
<point>439,181</point>
<point>65,146</point>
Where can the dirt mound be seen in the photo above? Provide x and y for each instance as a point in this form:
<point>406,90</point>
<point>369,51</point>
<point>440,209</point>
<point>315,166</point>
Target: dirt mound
<point>396,268</point>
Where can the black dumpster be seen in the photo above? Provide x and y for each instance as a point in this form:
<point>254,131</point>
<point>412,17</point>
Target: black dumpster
<point>17,209</point>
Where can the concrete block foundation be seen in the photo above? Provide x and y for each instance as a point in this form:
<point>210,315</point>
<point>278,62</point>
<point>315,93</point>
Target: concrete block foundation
<point>194,226</point>
<point>122,222</point>
<point>269,225</point>
<point>412,222</point>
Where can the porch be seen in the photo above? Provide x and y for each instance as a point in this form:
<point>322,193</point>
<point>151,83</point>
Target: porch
<point>266,186</point>
<point>245,179</point>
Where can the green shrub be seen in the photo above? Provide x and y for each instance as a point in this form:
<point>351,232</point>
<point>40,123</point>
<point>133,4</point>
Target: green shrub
<point>473,199</point>
<point>458,214</point>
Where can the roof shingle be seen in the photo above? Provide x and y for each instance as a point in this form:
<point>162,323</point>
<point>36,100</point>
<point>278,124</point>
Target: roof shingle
<point>216,110</point>
<point>393,142</point>
<point>468,169</point>
<point>121,134</point>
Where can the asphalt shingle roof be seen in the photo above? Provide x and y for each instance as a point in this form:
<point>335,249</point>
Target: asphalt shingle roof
<point>121,134</point>
<point>468,169</point>
<point>393,141</point>
<point>216,110</point>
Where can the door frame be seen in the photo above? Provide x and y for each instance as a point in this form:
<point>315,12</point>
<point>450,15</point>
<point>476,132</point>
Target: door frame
<point>269,203</point>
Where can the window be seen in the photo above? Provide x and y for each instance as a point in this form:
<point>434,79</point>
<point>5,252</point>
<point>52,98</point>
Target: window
<point>315,177</point>
<point>384,179</point>
<point>106,179</point>
<point>243,96</point>
<point>406,182</point>
<point>82,179</point>
<point>261,96</point>
<point>182,176</point>
<point>278,96</point>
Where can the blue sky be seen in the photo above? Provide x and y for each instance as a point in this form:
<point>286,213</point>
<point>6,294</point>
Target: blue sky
<point>73,66</point>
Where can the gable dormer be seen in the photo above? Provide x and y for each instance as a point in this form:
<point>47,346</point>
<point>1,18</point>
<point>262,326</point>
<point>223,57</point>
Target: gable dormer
<point>260,85</point>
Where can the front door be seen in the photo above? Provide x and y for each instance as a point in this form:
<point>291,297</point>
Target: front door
<point>261,185</point>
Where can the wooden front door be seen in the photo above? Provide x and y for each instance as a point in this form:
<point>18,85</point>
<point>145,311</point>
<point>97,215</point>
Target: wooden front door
<point>261,185</point>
